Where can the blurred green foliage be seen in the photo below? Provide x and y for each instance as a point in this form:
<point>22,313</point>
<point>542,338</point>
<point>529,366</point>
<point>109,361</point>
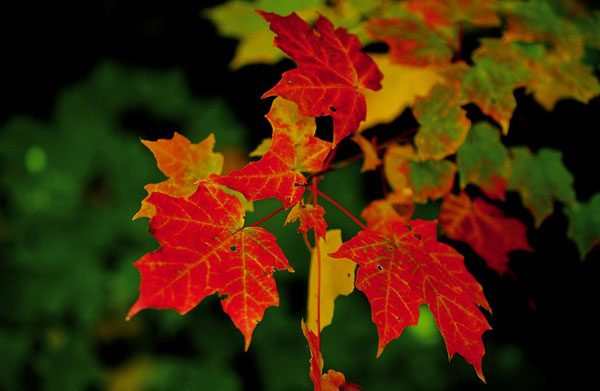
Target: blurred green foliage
<point>68,190</point>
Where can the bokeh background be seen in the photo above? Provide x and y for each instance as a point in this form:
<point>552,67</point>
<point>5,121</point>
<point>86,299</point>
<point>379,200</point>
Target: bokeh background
<point>82,83</point>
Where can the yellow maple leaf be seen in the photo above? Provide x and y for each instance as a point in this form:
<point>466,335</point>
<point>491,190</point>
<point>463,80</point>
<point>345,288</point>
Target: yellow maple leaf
<point>401,86</point>
<point>337,278</point>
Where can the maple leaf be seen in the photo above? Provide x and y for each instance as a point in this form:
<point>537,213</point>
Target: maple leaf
<point>584,224</point>
<point>539,21</point>
<point>444,124</point>
<point>490,83</point>
<point>310,216</point>
<point>412,42</point>
<point>447,12</point>
<point>401,85</point>
<point>429,179</point>
<point>294,149</point>
<point>204,250</point>
<point>540,179</point>
<point>330,74</point>
<point>337,278</point>
<point>557,78</point>
<point>405,267</point>
<point>184,163</point>
<point>484,161</point>
<point>485,228</point>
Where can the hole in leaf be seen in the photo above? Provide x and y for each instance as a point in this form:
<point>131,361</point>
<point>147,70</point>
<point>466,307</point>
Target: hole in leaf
<point>376,47</point>
<point>418,236</point>
<point>324,128</point>
<point>379,267</point>
<point>332,108</point>
<point>233,248</point>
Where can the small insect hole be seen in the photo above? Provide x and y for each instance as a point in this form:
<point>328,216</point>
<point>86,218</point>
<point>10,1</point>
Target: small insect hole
<point>418,236</point>
<point>332,108</point>
<point>379,267</point>
<point>233,248</point>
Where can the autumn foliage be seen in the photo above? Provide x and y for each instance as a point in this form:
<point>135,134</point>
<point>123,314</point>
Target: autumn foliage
<point>198,215</point>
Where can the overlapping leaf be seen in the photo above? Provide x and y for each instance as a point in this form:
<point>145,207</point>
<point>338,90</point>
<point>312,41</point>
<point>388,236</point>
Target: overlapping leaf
<point>412,42</point>
<point>427,179</point>
<point>539,21</point>
<point>444,124</point>
<point>558,78</point>
<point>485,228</point>
<point>403,267</point>
<point>401,85</point>
<point>396,207</point>
<point>540,180</point>
<point>331,71</point>
<point>294,149</point>
<point>184,163</point>
<point>491,81</point>
<point>204,250</point>
<point>439,13</point>
<point>484,161</point>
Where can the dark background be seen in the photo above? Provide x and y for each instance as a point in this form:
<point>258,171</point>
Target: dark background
<point>543,328</point>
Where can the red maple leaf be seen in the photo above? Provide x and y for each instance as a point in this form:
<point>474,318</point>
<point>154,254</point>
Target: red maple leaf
<point>204,250</point>
<point>403,267</point>
<point>331,71</point>
<point>485,228</point>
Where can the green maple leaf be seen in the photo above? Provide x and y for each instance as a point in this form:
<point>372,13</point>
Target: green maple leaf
<point>584,224</point>
<point>444,124</point>
<point>484,161</point>
<point>491,81</point>
<point>540,180</point>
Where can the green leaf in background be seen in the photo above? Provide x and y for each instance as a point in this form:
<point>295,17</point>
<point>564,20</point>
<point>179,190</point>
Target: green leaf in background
<point>444,124</point>
<point>484,161</point>
<point>72,184</point>
<point>541,179</point>
<point>584,224</point>
<point>491,81</point>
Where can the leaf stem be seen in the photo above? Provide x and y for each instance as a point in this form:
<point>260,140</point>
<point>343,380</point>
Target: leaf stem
<point>267,217</point>
<point>315,193</point>
<point>340,207</point>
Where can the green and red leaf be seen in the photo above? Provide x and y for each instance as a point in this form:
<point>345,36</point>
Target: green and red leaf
<point>184,164</point>
<point>484,161</point>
